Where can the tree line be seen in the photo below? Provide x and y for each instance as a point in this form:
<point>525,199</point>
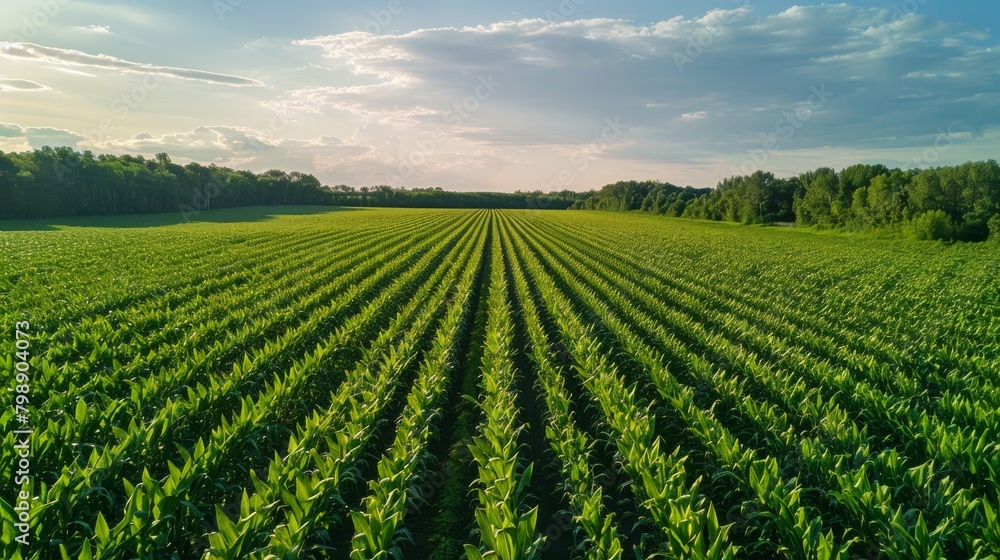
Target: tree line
<point>953,203</point>
<point>959,202</point>
<point>52,182</point>
<point>646,196</point>
<point>387,196</point>
<point>47,183</point>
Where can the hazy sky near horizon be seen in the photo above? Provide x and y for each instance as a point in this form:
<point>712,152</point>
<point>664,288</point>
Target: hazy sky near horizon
<point>539,94</point>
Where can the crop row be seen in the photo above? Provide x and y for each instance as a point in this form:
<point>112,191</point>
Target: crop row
<point>703,391</point>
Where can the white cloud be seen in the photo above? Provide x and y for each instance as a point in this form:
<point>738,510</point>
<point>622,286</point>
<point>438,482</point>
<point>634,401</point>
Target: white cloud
<point>373,155</point>
<point>74,58</point>
<point>98,29</point>
<point>216,144</point>
<point>693,94</point>
<point>360,101</point>
<point>76,72</point>
<point>37,137</point>
<point>890,77</point>
<point>12,85</point>
<point>8,130</point>
<point>54,137</point>
<point>239,147</point>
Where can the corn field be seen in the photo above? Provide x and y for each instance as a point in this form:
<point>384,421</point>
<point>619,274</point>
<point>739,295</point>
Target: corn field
<point>501,385</point>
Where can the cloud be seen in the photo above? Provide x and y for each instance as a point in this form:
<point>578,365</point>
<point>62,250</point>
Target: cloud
<point>72,72</point>
<point>54,137</point>
<point>364,159</point>
<point>693,88</point>
<point>11,131</point>
<point>512,104</point>
<point>11,85</point>
<point>236,146</point>
<point>205,144</point>
<point>74,58</point>
<point>98,29</point>
<point>37,137</point>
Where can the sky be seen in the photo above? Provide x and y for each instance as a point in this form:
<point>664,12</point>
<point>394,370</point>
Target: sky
<point>502,96</point>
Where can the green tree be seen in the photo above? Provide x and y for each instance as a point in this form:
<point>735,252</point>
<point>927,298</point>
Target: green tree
<point>820,202</point>
<point>8,182</point>
<point>853,178</point>
<point>994,225</point>
<point>882,203</point>
<point>925,192</point>
<point>931,225</point>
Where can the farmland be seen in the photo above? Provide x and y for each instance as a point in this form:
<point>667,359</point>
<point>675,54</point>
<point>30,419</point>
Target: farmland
<point>497,384</point>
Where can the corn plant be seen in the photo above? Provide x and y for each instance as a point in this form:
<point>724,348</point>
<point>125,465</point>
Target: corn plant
<point>221,390</point>
<point>378,527</point>
<point>506,524</point>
